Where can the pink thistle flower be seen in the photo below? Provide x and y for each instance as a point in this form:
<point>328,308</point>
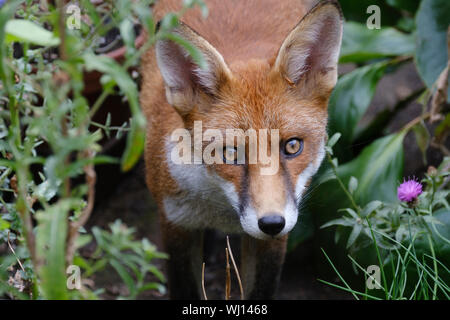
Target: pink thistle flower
<point>409,190</point>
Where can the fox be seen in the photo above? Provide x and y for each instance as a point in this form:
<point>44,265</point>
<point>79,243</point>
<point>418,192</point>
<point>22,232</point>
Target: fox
<point>269,66</point>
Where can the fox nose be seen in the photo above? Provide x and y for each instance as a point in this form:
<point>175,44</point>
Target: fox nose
<point>271,225</point>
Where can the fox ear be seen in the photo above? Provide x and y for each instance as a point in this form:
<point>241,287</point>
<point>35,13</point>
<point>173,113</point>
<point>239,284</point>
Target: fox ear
<point>182,76</point>
<point>310,52</point>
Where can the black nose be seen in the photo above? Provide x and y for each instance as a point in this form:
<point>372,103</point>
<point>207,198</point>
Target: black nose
<point>272,225</point>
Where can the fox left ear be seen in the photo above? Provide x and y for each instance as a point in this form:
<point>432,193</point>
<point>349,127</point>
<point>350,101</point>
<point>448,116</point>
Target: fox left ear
<point>309,55</point>
<point>183,78</point>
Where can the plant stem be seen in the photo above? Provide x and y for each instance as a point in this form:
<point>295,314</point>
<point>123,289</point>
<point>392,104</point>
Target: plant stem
<point>347,193</point>
<point>434,266</point>
<point>98,103</point>
<point>74,226</point>
<point>383,276</point>
<point>415,121</point>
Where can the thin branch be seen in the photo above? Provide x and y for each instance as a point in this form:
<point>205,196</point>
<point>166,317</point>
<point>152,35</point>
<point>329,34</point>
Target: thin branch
<point>91,178</point>
<point>235,269</point>
<point>415,121</point>
<point>203,282</point>
<point>14,253</point>
<point>62,30</point>
<point>228,276</point>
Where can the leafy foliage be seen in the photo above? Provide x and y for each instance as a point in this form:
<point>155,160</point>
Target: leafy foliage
<point>433,21</point>
<point>131,259</point>
<point>50,144</point>
<point>355,189</point>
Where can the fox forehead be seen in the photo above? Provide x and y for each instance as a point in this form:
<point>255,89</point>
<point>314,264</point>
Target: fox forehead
<point>258,98</point>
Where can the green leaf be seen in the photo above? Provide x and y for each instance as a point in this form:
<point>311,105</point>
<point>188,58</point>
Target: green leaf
<point>27,31</point>
<point>351,212</point>
<point>169,21</point>
<point>50,246</point>
<point>422,138</point>
<point>370,207</point>
<point>153,286</point>
<point>378,169</point>
<point>128,36</point>
<point>433,20</point>
<point>356,11</point>
<point>146,17</point>
<point>135,144</point>
<point>408,5</point>
<point>335,138</point>
<point>337,222</point>
<point>443,127</point>
<point>442,230</point>
<point>4,224</point>
<point>441,236</point>
<point>350,100</point>
<point>356,231</point>
<point>352,184</point>
<point>360,44</point>
<point>123,273</point>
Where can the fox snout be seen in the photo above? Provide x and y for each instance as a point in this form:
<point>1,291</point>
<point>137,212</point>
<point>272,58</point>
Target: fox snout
<point>272,224</point>
<point>268,207</point>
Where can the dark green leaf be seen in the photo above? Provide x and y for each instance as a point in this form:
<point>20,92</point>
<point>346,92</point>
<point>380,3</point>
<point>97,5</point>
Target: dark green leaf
<point>408,5</point>
<point>378,169</point>
<point>433,20</point>
<point>422,138</point>
<point>350,100</point>
<point>360,44</point>
<point>356,11</point>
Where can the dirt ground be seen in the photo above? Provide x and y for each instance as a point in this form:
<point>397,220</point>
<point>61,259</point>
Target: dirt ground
<point>127,199</point>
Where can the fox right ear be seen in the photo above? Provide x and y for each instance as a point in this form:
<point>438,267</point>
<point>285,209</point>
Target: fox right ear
<point>309,55</point>
<point>183,78</point>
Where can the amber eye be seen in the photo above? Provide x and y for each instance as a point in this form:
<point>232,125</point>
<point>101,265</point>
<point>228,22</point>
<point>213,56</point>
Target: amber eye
<point>230,155</point>
<point>293,147</point>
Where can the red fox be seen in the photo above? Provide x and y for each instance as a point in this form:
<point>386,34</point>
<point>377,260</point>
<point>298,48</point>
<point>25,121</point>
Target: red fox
<point>270,66</point>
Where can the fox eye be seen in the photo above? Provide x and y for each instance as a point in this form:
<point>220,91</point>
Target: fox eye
<point>230,155</point>
<point>293,147</point>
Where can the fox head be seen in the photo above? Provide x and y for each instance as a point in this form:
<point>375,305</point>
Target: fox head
<point>284,100</point>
